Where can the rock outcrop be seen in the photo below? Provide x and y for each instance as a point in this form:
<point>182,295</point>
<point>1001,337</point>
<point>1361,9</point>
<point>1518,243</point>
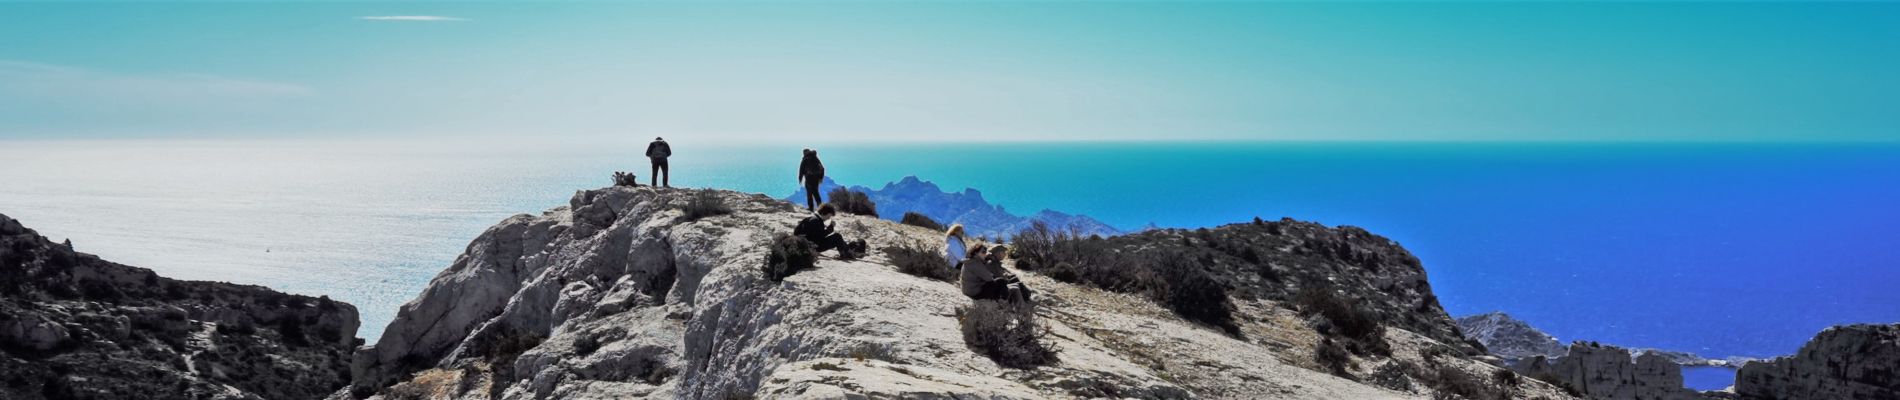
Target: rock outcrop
<point>73,326</point>
<point>1508,337</point>
<point>1858,362</point>
<point>1608,372</point>
<point>978,216</point>
<point>619,295</point>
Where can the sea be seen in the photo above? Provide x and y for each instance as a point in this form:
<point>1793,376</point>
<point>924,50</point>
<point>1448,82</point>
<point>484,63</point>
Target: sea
<point>1721,249</point>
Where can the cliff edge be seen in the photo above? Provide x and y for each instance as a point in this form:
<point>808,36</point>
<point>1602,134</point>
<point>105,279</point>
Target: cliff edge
<point>620,294</point>
<point>73,326</point>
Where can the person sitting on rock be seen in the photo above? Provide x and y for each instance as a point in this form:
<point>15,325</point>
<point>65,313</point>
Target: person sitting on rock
<point>954,251</point>
<point>819,229</point>
<point>985,279</point>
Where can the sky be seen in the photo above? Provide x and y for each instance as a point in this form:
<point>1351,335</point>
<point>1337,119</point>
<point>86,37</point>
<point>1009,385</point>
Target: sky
<point>1596,71</point>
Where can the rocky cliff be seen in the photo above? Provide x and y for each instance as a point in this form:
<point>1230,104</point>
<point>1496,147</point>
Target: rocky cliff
<point>620,295</point>
<point>968,207</point>
<point>1608,372</point>
<point>1509,337</point>
<point>73,326</point>
<point>1859,362</point>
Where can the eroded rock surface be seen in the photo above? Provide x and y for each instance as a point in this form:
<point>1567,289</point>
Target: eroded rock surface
<point>1509,337</point>
<point>1608,372</point>
<point>73,326</point>
<point>618,295</point>
<point>1860,362</point>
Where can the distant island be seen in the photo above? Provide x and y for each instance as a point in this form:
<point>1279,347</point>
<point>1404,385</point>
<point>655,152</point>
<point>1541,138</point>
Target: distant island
<point>978,216</point>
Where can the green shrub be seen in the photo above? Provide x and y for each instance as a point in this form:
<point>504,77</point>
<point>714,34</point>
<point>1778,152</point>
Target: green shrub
<point>921,260</point>
<point>1334,358</point>
<point>1361,327</point>
<point>1006,333</point>
<point>852,202</point>
<point>1192,294</point>
<point>1449,381</point>
<point>1170,278</point>
<point>705,203</point>
<point>586,344</point>
<point>788,254</point>
<point>920,220</point>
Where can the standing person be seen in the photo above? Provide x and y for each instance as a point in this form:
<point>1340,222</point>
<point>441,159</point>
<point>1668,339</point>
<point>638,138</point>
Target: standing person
<point>954,251</point>
<point>658,151</point>
<point>811,172</point>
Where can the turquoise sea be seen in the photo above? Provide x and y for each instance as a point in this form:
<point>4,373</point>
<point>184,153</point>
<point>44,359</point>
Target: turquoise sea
<point>1718,249</point>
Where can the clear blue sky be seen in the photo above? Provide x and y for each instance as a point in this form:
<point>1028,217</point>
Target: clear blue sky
<point>985,71</point>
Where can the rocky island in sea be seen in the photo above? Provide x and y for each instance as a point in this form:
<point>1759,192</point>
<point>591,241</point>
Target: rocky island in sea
<point>641,292</point>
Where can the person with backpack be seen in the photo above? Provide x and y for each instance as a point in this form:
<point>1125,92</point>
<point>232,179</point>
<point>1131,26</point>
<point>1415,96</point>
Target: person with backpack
<point>811,172</point>
<point>658,151</point>
<point>821,232</point>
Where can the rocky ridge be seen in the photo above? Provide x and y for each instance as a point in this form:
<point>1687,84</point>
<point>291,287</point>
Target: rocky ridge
<point>73,326</point>
<point>617,295</point>
<point>1608,372</point>
<point>1860,362</point>
<point>1509,337</point>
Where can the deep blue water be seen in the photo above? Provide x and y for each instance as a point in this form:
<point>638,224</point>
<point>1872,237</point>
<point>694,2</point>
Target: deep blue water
<point>1707,378</point>
<point>1719,249</point>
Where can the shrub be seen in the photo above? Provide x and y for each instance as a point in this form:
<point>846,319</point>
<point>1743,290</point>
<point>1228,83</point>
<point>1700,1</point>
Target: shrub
<point>1449,381</point>
<point>786,255</point>
<point>852,202</point>
<point>1333,357</point>
<point>1505,378</point>
<point>1190,292</point>
<point>586,344</point>
<point>1006,333</point>
<point>1360,326</point>
<point>1396,375</point>
<point>705,203</point>
<point>921,260</point>
<point>292,331</point>
<point>915,219</point>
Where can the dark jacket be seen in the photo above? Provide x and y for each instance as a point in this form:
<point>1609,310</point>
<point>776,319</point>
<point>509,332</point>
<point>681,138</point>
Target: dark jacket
<point>811,171</point>
<point>976,273</point>
<point>659,149</point>
<point>812,228</point>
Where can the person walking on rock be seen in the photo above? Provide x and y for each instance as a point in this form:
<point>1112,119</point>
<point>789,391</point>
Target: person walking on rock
<point>658,151</point>
<point>811,172</point>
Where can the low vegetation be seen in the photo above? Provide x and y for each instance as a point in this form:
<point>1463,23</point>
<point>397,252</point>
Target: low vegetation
<point>852,202</point>
<point>705,203</point>
<point>1360,328</point>
<point>921,260</point>
<point>1169,277</point>
<point>788,254</point>
<point>1333,358</point>
<point>912,218</point>
<point>1007,334</point>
